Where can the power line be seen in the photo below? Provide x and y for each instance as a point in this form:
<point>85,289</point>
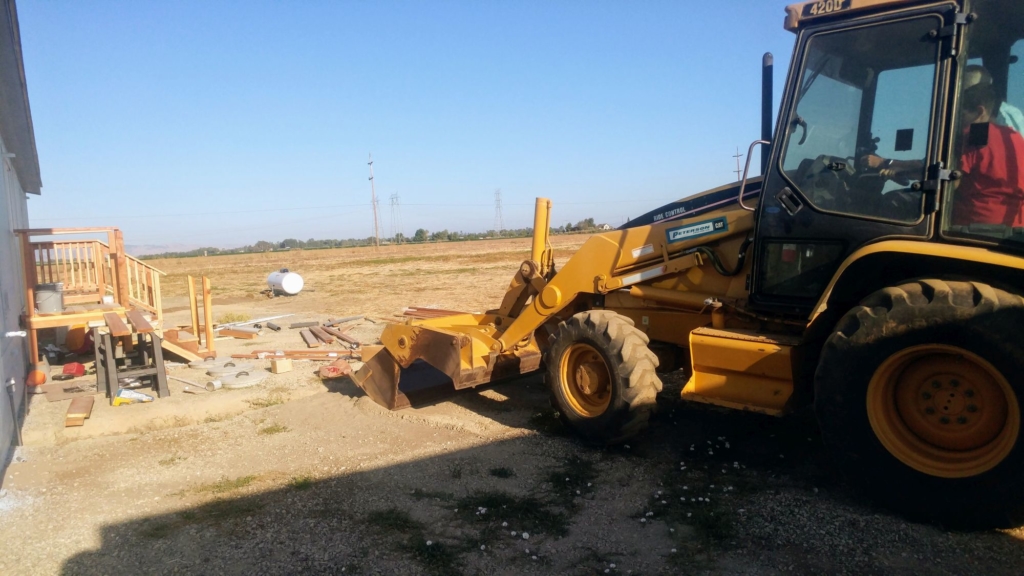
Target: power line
<point>737,157</point>
<point>373,200</point>
<point>499,221</point>
<point>396,218</point>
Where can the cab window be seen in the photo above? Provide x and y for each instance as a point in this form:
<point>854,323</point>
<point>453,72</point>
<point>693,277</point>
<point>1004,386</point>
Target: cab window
<point>986,202</point>
<point>863,92</point>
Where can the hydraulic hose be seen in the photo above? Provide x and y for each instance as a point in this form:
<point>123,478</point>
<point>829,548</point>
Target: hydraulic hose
<point>717,263</point>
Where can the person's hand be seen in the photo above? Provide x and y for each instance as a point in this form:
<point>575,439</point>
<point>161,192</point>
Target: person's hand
<point>873,162</point>
<point>896,176</point>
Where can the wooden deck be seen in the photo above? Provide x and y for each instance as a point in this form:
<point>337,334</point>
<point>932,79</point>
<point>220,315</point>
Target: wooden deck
<point>99,278</point>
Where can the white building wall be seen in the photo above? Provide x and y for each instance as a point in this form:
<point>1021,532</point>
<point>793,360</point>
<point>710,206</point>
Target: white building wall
<point>13,351</point>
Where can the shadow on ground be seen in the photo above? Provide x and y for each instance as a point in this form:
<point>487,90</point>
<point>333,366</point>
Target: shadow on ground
<point>768,504</point>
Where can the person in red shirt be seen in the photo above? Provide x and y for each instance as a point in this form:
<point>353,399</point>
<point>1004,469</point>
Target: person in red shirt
<point>991,186</point>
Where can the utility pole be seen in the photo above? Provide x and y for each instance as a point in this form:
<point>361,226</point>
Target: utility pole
<point>499,222</point>
<point>396,218</point>
<point>373,200</point>
<point>738,171</point>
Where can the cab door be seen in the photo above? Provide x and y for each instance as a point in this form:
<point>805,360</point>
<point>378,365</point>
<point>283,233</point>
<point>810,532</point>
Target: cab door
<point>864,88</point>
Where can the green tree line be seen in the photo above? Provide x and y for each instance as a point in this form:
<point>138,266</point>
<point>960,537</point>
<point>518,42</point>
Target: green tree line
<point>421,235</point>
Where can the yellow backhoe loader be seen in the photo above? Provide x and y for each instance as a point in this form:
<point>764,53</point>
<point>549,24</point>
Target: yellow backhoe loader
<point>875,271</point>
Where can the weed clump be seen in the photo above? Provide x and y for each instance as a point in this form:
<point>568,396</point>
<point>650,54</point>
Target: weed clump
<point>272,429</point>
<point>304,482</point>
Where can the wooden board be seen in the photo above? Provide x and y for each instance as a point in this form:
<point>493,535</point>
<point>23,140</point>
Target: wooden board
<point>342,336</point>
<point>117,326</point>
<point>37,322</point>
<point>79,410</point>
<point>181,352</point>
<point>322,335</point>
<point>57,391</point>
<point>141,325</point>
<point>179,336</point>
<point>311,340</point>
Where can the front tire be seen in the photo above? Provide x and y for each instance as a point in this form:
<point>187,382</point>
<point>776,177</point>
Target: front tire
<point>918,394</point>
<point>602,376</point>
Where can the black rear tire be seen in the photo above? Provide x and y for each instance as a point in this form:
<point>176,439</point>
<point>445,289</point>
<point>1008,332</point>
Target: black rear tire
<point>602,376</point>
<point>953,326</point>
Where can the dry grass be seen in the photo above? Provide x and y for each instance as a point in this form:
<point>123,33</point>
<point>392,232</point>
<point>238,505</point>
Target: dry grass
<point>468,276</point>
<point>162,424</point>
<point>231,317</point>
<point>272,429</point>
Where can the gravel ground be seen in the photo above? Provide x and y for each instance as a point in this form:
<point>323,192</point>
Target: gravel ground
<point>297,476</point>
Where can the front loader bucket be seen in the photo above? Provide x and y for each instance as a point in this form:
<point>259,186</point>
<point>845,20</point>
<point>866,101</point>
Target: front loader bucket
<point>395,388</point>
<point>424,361</point>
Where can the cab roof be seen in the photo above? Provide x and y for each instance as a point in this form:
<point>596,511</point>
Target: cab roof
<point>798,15</point>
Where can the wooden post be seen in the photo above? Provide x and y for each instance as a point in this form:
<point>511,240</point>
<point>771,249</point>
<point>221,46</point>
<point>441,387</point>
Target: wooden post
<point>29,266</point>
<point>62,255</point>
<point>157,301</point>
<point>101,276</point>
<point>121,262</point>
<point>193,306</point>
<point>208,313</point>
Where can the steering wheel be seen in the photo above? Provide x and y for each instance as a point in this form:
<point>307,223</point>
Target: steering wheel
<point>837,184</point>
<point>827,181</point>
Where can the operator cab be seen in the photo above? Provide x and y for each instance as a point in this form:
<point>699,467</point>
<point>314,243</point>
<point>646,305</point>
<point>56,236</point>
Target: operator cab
<point>872,143</point>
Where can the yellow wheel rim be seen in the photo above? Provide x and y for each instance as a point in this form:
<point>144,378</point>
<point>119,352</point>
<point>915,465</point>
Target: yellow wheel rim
<point>943,411</point>
<point>585,380</point>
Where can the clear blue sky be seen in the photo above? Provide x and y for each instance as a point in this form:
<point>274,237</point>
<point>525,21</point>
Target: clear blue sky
<point>224,123</point>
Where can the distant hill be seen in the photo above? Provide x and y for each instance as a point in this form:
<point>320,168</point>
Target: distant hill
<point>147,249</point>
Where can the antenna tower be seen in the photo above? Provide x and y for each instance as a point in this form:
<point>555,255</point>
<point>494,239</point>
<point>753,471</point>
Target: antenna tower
<point>738,171</point>
<point>499,222</point>
<point>396,218</point>
<point>373,200</point>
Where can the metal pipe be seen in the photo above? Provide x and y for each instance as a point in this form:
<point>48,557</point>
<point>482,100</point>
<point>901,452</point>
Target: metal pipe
<point>336,321</point>
<point>541,228</point>
<point>11,386</point>
<point>691,300</point>
<point>247,322</point>
<point>767,78</point>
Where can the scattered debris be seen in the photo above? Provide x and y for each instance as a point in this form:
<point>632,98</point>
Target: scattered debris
<point>295,325</point>
<point>79,410</point>
<point>228,368</point>
<point>130,397</point>
<point>310,340</point>
<point>255,322</point>
<point>337,369</point>
<point>241,379</point>
<point>341,335</point>
<point>322,335</point>
<point>241,333</point>
<point>280,365</point>
<point>336,321</point>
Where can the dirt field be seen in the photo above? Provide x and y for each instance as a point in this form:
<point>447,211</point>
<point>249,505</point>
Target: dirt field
<point>300,476</point>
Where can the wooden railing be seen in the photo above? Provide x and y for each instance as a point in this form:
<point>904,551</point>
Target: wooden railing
<point>144,285</point>
<point>82,266</point>
<point>88,273</point>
